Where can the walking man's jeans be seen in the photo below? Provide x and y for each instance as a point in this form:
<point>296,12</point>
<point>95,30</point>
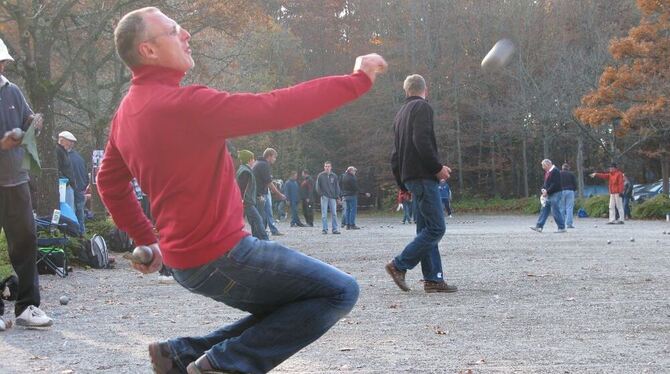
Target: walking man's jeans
<point>326,204</point>
<point>351,210</point>
<point>269,220</point>
<point>18,224</point>
<point>626,207</point>
<point>293,299</point>
<point>430,227</point>
<point>255,221</point>
<point>79,202</point>
<point>616,206</point>
<point>553,205</point>
<point>568,206</point>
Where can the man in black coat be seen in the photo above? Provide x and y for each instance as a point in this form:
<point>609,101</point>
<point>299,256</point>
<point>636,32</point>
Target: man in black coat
<point>551,198</point>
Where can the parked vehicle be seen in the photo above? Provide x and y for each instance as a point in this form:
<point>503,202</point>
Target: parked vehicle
<point>643,192</point>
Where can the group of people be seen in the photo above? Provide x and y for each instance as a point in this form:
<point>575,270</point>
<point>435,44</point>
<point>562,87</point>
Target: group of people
<point>199,197</point>
<point>558,195</point>
<point>409,208</point>
<point>257,188</point>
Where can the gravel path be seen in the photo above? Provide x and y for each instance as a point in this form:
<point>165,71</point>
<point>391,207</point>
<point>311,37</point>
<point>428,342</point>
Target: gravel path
<point>527,303</point>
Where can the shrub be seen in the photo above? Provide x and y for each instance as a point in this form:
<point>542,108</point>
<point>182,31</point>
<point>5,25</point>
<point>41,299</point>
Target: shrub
<point>656,207</point>
<point>597,206</point>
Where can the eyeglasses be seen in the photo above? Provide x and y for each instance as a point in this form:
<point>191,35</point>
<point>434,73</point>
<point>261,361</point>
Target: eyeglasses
<point>174,31</point>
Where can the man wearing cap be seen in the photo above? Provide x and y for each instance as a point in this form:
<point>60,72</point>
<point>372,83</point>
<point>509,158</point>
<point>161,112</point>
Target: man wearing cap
<point>65,143</point>
<point>247,183</point>
<point>79,174</point>
<point>614,176</point>
<point>16,210</point>
<point>292,299</point>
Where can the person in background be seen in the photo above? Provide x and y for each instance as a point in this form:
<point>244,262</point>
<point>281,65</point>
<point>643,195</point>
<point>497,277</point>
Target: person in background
<point>627,196</point>
<point>307,197</point>
<point>328,188</point>
<point>405,199</point>
<point>552,194</point>
<point>569,186</point>
<point>80,174</point>
<point>247,183</point>
<point>614,176</point>
<point>292,192</point>
<point>445,196</point>
<point>65,143</point>
<point>265,188</point>
<point>350,191</point>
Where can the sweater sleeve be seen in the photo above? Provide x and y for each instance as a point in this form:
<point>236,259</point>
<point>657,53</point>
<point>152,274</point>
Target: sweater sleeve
<point>117,194</point>
<point>424,139</point>
<point>231,115</point>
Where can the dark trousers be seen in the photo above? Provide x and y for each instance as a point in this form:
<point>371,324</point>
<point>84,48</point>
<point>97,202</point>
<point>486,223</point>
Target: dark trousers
<point>308,212</point>
<point>16,219</point>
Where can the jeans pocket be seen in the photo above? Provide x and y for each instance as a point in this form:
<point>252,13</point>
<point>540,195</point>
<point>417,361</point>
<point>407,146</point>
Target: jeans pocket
<point>217,286</point>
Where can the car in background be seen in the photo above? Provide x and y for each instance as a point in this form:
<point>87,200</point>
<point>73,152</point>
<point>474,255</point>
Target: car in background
<point>644,192</point>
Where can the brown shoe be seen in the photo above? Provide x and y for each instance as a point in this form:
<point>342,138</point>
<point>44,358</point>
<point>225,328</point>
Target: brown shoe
<point>397,276</point>
<point>161,359</point>
<point>203,366</point>
<point>432,287</point>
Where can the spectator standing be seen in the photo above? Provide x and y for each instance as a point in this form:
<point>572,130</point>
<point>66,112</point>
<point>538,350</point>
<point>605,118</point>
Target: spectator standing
<point>553,193</point>
<point>293,196</point>
<point>264,188</point>
<point>615,184</point>
<point>350,193</point>
<point>247,184</point>
<point>627,196</point>
<point>328,188</point>
<point>65,143</point>
<point>445,196</point>
<point>293,299</point>
<point>16,209</point>
<point>405,198</point>
<point>416,167</point>
<point>569,186</point>
<point>307,197</point>
<point>80,174</point>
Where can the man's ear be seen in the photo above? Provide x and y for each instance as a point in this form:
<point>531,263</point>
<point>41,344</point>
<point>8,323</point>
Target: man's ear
<point>145,50</point>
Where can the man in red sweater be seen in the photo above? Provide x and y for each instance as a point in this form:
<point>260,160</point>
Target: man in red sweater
<point>615,178</point>
<point>189,176</point>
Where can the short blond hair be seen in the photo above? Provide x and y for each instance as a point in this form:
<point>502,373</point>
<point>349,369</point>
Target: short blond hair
<point>127,34</point>
<point>414,85</point>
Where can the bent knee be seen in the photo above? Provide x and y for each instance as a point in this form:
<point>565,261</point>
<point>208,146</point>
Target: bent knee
<point>348,293</point>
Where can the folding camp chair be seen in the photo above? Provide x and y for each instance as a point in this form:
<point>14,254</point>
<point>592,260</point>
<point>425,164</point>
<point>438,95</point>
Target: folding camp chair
<point>51,255</point>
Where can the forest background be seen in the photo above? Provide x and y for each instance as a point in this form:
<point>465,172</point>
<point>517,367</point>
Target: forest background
<point>493,128</point>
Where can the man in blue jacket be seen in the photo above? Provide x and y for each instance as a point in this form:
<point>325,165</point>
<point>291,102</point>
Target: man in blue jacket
<point>552,192</point>
<point>293,196</point>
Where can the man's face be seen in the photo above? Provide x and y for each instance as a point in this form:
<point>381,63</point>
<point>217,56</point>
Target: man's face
<point>67,144</point>
<point>2,66</point>
<point>272,159</point>
<point>546,167</point>
<point>327,167</point>
<point>166,43</point>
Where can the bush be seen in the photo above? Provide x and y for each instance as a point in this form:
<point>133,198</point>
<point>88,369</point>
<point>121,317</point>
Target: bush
<point>596,206</point>
<point>528,205</point>
<point>656,207</point>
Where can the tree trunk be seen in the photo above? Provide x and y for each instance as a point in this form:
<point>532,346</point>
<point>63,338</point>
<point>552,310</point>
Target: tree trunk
<point>580,167</point>
<point>46,183</point>
<point>494,186</point>
<point>524,152</point>
<point>665,172</point>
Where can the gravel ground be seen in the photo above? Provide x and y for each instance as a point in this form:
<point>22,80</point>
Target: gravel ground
<point>527,303</point>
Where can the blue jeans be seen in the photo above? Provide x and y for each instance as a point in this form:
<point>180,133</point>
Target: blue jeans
<point>269,221</point>
<point>568,206</point>
<point>79,202</point>
<point>294,213</point>
<point>407,212</point>
<point>430,228</point>
<point>255,221</point>
<point>328,203</point>
<point>351,209</point>
<point>293,299</point>
<point>553,205</point>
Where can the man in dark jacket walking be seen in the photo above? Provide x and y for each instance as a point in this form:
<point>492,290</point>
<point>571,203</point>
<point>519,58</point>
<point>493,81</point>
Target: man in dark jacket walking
<point>569,185</point>
<point>247,183</point>
<point>416,167</point>
<point>551,193</point>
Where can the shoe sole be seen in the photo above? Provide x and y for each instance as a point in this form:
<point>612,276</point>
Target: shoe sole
<point>29,326</point>
<point>397,283</point>
<point>442,291</point>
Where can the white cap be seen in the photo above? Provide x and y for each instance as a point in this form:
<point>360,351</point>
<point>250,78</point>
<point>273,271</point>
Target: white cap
<point>67,135</point>
<point>4,52</point>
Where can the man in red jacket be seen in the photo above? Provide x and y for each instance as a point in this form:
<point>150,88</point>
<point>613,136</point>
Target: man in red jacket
<point>189,176</point>
<point>615,178</point>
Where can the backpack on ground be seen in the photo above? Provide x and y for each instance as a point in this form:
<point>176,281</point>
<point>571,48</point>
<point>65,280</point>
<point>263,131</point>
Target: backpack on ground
<point>94,253</point>
<point>119,241</point>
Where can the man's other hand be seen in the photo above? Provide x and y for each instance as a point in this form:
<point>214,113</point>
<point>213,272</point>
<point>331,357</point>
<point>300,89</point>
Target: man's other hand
<point>444,173</point>
<point>371,65</point>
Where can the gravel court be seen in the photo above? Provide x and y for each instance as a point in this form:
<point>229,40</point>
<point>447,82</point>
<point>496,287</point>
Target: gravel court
<point>527,303</point>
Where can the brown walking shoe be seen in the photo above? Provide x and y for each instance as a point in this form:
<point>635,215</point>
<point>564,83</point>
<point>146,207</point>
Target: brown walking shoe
<point>203,366</point>
<point>432,287</point>
<point>161,359</point>
<point>397,276</point>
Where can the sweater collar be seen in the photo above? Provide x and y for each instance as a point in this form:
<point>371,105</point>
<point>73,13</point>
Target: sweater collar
<point>152,74</point>
<point>407,100</point>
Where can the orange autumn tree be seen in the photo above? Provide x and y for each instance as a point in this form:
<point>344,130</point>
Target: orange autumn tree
<point>635,93</point>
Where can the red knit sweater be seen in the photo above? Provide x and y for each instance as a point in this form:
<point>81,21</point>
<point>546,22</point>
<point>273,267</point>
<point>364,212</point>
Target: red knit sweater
<point>172,139</point>
<point>615,179</point>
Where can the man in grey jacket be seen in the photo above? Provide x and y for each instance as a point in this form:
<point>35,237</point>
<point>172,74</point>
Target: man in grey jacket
<point>328,187</point>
